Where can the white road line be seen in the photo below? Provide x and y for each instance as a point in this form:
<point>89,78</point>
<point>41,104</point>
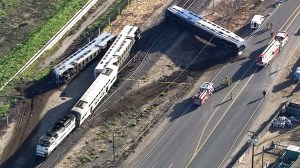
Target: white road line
<point>155,164</point>
<point>218,74</point>
<point>179,118</point>
<point>259,105</point>
<point>170,165</point>
<point>263,97</point>
<point>191,104</point>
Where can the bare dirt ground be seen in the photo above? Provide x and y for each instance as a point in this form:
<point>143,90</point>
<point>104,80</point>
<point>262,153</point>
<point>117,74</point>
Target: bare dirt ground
<point>163,67</point>
<point>39,94</point>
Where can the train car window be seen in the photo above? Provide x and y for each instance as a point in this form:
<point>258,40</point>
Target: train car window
<point>81,104</point>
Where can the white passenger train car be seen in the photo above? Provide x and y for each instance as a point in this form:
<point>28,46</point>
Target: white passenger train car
<point>95,93</point>
<point>60,130</point>
<point>106,76</point>
<point>120,48</point>
<point>72,65</point>
<point>207,30</point>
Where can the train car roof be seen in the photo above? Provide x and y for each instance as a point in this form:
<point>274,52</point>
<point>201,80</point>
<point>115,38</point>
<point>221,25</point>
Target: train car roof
<point>76,57</point>
<point>127,32</point>
<point>205,24</point>
<point>57,127</point>
<point>100,82</point>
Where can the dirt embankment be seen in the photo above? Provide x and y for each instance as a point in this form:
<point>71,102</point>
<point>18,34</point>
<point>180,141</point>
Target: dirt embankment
<point>138,106</point>
<point>95,146</point>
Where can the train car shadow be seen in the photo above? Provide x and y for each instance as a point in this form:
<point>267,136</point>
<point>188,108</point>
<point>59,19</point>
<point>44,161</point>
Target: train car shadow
<point>30,139</point>
<point>185,50</point>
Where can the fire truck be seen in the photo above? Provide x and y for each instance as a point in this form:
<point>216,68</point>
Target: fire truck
<point>273,49</point>
<point>206,89</point>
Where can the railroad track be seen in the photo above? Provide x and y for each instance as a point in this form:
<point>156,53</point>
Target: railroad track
<point>136,61</point>
<point>20,132</point>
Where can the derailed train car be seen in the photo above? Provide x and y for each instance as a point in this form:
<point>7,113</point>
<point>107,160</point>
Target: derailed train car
<point>120,48</point>
<point>72,65</point>
<point>207,30</point>
<point>90,99</point>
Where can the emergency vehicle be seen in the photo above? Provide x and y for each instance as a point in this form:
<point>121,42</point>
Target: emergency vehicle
<point>206,89</point>
<point>273,49</point>
<point>256,21</point>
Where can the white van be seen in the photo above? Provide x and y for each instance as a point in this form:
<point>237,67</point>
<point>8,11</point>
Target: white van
<point>257,21</point>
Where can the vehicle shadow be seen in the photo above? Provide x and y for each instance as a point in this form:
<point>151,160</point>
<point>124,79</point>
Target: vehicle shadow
<point>260,32</point>
<point>262,40</point>
<point>248,66</point>
<point>181,109</point>
<point>219,88</point>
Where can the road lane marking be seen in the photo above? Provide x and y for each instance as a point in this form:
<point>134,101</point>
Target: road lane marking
<point>198,150</point>
<point>218,74</point>
<point>170,165</point>
<point>293,53</point>
<point>179,118</point>
<point>252,34</point>
<point>292,19</point>
<point>155,164</point>
<point>172,125</point>
<point>199,141</point>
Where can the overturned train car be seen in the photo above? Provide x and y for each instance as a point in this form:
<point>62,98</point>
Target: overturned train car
<point>207,30</point>
<point>72,65</point>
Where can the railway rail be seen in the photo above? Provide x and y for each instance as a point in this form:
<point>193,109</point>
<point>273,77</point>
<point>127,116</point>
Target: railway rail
<point>133,61</point>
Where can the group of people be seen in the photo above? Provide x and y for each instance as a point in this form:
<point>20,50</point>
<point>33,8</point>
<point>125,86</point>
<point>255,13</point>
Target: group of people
<point>227,81</point>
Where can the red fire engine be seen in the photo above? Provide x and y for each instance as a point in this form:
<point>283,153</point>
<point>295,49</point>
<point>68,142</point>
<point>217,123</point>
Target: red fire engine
<point>273,49</point>
<point>206,89</point>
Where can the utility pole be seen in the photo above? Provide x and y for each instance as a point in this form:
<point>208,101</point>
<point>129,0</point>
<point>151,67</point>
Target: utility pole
<point>213,6</point>
<point>262,157</point>
<point>253,142</point>
<point>113,145</point>
<point>252,155</point>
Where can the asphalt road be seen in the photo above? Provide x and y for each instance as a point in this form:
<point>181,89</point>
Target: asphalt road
<point>205,136</point>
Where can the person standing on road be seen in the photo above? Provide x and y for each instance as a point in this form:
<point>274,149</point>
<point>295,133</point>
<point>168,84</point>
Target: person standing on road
<point>231,96</point>
<point>268,25</point>
<point>272,32</point>
<point>271,25</point>
<point>264,93</point>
